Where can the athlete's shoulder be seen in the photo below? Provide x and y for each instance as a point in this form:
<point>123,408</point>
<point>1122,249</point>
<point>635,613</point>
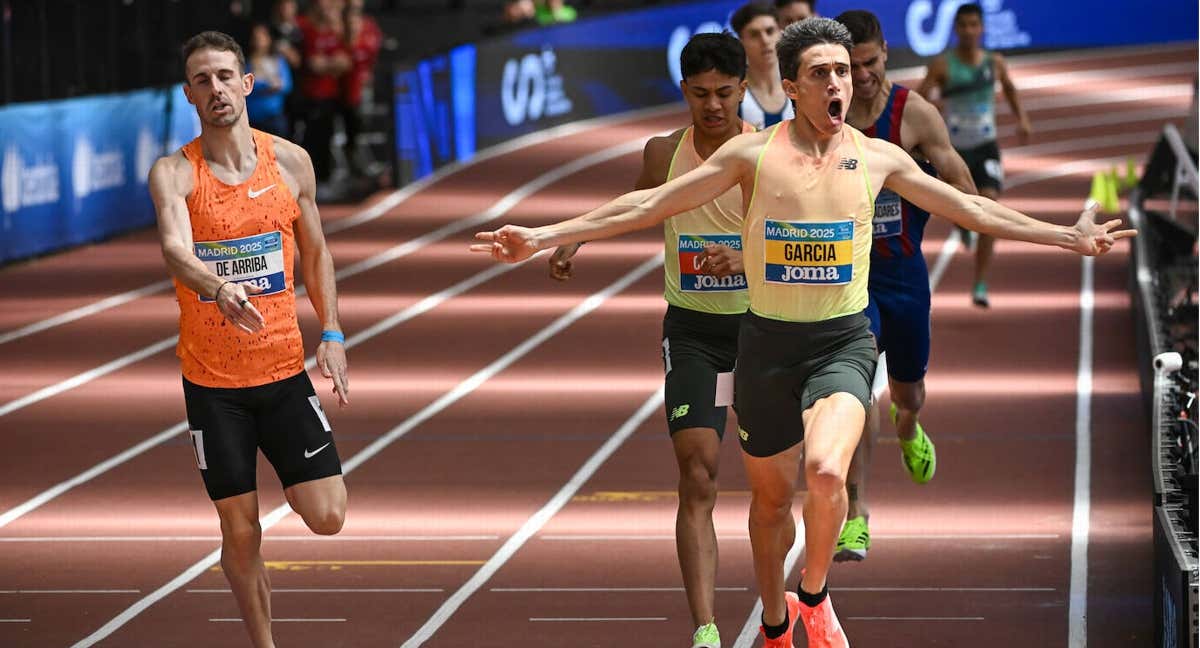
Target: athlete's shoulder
<point>661,145</point>
<point>171,175</point>
<point>919,112</point>
<point>292,157</point>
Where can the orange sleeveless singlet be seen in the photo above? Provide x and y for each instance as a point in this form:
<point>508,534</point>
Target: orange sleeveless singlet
<point>243,233</point>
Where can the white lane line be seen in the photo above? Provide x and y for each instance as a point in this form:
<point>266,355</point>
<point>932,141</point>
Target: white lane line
<point>602,590</point>
<point>588,619</point>
<point>238,620</point>
<point>749,631</point>
<point>509,201</point>
<point>915,618</point>
<point>1084,144</point>
<point>1034,81</point>
<point>1080,517</point>
<point>943,589</point>
<point>329,590</point>
<point>1070,99</point>
<point>71,591</point>
<point>460,391</point>
<point>1100,119</point>
<point>385,205</point>
<point>280,538</point>
<point>535,522</point>
<point>16,620</point>
<point>743,537</point>
<point>85,311</point>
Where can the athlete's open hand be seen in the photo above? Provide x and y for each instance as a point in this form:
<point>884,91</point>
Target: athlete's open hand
<point>720,260</point>
<point>509,244</point>
<point>233,299</point>
<point>560,262</point>
<point>331,358</point>
<point>1097,238</point>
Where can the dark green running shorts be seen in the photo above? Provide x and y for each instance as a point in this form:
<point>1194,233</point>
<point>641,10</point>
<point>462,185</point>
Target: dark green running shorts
<point>785,367</point>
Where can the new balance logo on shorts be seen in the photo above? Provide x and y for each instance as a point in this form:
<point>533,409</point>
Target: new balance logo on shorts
<point>680,412</point>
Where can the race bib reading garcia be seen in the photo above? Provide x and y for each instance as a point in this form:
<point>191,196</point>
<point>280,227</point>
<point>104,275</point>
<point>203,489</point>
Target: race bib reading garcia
<point>809,253</point>
<point>691,278</point>
<point>256,260</point>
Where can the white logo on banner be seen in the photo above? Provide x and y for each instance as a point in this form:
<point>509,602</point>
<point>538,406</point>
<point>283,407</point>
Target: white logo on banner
<point>1000,26</point>
<point>532,90</point>
<point>27,185</point>
<point>679,39</point>
<point>147,152</point>
<point>93,171</point>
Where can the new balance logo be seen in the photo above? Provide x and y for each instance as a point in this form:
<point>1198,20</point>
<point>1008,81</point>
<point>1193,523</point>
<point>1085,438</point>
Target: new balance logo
<point>310,455</point>
<point>680,412</point>
<point>255,194</point>
<point>848,164</point>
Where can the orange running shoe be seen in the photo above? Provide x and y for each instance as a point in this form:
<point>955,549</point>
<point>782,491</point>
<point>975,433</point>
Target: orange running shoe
<point>822,627</point>
<point>785,640</point>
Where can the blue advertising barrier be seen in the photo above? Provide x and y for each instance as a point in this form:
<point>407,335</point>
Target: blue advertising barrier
<point>490,92</point>
<point>75,171</point>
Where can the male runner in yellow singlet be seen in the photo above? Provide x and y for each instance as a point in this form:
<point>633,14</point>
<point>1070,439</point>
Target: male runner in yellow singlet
<point>706,297</point>
<point>806,355</point>
<point>234,206</point>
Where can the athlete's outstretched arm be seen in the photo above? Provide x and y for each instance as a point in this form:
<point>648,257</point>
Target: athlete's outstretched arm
<point>316,265</point>
<point>656,165</point>
<point>170,183</point>
<point>632,211</point>
<point>986,216</point>
<point>933,140</point>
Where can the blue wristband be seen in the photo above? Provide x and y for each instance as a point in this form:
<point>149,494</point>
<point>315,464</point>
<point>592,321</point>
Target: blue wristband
<point>333,336</point>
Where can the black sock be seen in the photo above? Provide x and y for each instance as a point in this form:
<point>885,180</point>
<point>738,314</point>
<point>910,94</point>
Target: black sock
<point>812,600</point>
<point>775,632</point>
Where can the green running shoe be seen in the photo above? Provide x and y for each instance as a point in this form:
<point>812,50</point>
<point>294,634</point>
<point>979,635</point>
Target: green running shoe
<point>854,541</point>
<point>707,636</point>
<point>919,455</point>
<point>979,295</point>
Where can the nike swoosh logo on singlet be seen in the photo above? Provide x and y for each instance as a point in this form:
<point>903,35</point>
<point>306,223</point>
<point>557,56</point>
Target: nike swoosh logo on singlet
<point>255,194</point>
<point>310,455</point>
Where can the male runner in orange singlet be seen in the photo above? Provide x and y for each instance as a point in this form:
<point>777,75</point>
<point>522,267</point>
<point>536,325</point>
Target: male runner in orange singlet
<point>234,206</point>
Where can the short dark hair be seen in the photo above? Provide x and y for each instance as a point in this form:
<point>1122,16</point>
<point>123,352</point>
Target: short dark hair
<point>969,8</point>
<point>213,40</point>
<point>812,4</point>
<point>800,36</point>
<point>748,12</point>
<point>863,26</point>
<point>721,52</point>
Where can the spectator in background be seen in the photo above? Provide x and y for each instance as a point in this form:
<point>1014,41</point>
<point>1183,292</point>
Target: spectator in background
<point>555,11</point>
<point>363,41</point>
<point>516,14</point>
<point>272,84</point>
<point>326,62</point>
<point>285,31</point>
<point>790,11</point>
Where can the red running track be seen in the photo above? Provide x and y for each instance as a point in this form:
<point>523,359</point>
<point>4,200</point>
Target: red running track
<point>484,395</point>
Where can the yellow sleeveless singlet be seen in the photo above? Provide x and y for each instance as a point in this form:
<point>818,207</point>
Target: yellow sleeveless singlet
<point>243,233</point>
<point>807,230</point>
<point>685,236</point>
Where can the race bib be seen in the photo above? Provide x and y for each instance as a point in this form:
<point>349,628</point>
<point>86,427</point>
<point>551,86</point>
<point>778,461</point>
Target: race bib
<point>809,253</point>
<point>887,221</point>
<point>256,260</point>
<point>691,278</point>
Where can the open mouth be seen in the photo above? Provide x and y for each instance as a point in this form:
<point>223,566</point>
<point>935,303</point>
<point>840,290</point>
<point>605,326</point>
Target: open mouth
<point>835,108</point>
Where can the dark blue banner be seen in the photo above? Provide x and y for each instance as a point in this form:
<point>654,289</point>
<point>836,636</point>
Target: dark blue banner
<point>496,90</point>
<point>75,171</point>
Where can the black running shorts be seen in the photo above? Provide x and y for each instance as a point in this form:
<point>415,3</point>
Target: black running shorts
<point>785,367</point>
<point>284,418</point>
<point>696,347</point>
<point>985,166</point>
